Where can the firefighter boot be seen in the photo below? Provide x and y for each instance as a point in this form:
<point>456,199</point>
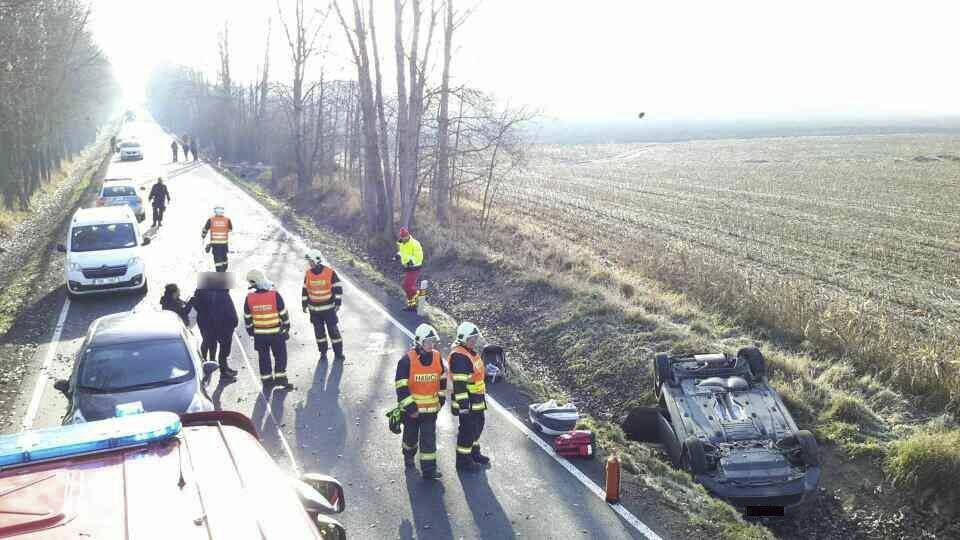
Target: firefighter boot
<point>226,370</point>
<point>432,474</point>
<point>280,379</point>
<point>465,463</point>
<point>478,457</point>
<point>338,352</point>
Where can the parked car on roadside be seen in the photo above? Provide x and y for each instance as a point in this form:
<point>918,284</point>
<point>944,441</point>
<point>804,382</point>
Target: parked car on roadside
<point>122,192</point>
<point>104,252</point>
<point>159,475</point>
<point>146,358</point>
<point>131,150</point>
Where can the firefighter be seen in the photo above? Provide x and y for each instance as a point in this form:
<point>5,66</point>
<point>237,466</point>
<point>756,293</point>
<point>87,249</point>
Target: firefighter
<point>219,227</point>
<point>410,255</point>
<point>468,374</point>
<point>421,382</point>
<point>159,196</point>
<point>269,325</point>
<point>322,295</point>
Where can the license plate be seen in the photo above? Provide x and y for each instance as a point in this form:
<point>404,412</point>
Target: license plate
<point>105,281</point>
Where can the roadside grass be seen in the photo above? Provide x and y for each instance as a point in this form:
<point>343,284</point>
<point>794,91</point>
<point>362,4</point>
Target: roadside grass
<point>927,463</point>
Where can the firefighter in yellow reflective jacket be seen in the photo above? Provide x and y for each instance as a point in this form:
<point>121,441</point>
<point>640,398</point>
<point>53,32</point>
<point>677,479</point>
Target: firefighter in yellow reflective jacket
<point>468,373</point>
<point>268,323</point>
<point>421,382</point>
<point>322,294</point>
<point>219,226</point>
<point>410,256</point>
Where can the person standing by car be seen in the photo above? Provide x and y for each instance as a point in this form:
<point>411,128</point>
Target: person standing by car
<point>159,196</point>
<point>170,301</point>
<point>322,295</point>
<point>216,319</point>
<point>468,373</point>
<point>420,382</point>
<point>410,256</point>
<point>219,227</point>
<point>268,323</point>
<point>193,147</point>
<point>175,149</point>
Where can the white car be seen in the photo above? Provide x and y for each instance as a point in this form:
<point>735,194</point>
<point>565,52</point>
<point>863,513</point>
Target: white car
<point>104,252</point>
<point>130,150</point>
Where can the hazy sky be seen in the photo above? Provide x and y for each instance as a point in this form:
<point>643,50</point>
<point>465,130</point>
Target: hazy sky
<point>601,58</point>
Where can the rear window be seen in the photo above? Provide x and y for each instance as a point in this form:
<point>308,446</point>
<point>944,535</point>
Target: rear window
<point>119,191</point>
<point>127,366</point>
<point>101,237</point>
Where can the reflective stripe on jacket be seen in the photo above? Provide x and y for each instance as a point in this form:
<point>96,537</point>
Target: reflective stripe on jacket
<point>468,377</point>
<point>319,289</point>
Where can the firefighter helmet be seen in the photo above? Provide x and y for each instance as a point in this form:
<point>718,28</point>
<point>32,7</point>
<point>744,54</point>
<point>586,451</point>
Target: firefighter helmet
<point>467,330</point>
<point>256,276</point>
<point>218,210</point>
<point>314,256</point>
<point>425,331</point>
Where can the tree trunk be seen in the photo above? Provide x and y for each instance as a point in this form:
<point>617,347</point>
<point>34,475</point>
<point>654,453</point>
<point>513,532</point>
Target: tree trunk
<point>441,188</point>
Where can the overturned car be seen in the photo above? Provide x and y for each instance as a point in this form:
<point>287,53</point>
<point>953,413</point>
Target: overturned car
<point>719,419</point>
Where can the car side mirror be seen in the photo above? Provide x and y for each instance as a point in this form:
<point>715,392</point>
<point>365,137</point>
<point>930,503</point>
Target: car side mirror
<point>330,528</point>
<point>146,241</point>
<point>61,248</point>
<point>62,386</point>
<point>320,494</point>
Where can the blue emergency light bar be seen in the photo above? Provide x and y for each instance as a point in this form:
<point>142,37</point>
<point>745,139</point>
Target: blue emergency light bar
<point>78,439</point>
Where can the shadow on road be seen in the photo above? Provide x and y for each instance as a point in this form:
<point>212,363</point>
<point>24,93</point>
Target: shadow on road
<point>268,427</point>
<point>186,168</point>
<point>488,514</point>
<point>430,517</point>
<point>319,419</point>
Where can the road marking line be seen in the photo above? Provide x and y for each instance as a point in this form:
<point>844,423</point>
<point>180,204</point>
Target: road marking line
<point>627,516</point>
<point>52,347</point>
<point>257,384</point>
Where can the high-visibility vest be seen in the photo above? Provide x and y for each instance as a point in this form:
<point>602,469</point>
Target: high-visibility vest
<point>319,286</point>
<point>265,313</point>
<point>477,385</point>
<point>425,381</point>
<point>410,251</point>
<point>219,229</point>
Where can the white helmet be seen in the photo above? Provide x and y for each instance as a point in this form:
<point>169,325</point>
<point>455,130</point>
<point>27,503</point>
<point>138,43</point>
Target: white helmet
<point>218,210</point>
<point>425,331</point>
<point>257,277</point>
<point>314,256</point>
<point>467,330</point>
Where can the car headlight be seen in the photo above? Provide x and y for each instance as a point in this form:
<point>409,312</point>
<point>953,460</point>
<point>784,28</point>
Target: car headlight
<point>73,266</point>
<point>133,261</point>
<point>77,417</point>
<point>199,404</point>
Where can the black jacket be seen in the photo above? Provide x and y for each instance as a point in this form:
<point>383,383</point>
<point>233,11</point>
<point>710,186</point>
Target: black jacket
<point>181,308</point>
<point>159,195</point>
<point>215,311</point>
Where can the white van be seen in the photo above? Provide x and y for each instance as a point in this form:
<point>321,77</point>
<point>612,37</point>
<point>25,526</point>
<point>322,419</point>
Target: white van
<point>103,252</point>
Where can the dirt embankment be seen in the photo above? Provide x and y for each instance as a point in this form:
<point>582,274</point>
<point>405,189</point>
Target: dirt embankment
<point>32,272</point>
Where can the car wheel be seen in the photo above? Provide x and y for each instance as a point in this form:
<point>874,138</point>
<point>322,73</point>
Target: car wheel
<point>662,372</point>
<point>809,450</point>
<point>754,358</point>
<point>694,455</point>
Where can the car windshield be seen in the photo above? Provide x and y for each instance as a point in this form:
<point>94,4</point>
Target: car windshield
<point>130,145</point>
<point>127,366</point>
<point>101,237</point>
<point>119,191</point>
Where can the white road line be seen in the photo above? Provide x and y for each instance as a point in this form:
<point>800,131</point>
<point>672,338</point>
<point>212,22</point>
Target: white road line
<point>52,347</point>
<point>627,516</point>
<point>266,401</point>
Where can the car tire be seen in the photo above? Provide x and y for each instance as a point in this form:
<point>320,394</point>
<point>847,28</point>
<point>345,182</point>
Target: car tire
<point>756,361</point>
<point>695,456</point>
<point>662,374</point>
<point>809,450</point>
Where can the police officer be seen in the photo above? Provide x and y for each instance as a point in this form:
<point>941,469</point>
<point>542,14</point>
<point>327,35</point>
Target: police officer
<point>468,374</point>
<point>219,227</point>
<point>322,294</point>
<point>269,325</point>
<point>421,382</point>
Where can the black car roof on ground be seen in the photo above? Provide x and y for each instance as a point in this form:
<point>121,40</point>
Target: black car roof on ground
<point>136,326</point>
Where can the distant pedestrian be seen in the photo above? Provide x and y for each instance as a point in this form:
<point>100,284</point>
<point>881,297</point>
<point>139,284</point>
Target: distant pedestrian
<point>174,148</point>
<point>410,256</point>
<point>193,147</point>
<point>159,196</point>
<point>185,143</point>
<point>170,301</point>
<point>113,145</point>
<point>216,319</point>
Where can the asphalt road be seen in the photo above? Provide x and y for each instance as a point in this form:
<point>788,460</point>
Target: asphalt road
<point>332,422</point>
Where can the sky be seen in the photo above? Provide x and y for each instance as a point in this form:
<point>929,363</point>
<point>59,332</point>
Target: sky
<point>581,60</point>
